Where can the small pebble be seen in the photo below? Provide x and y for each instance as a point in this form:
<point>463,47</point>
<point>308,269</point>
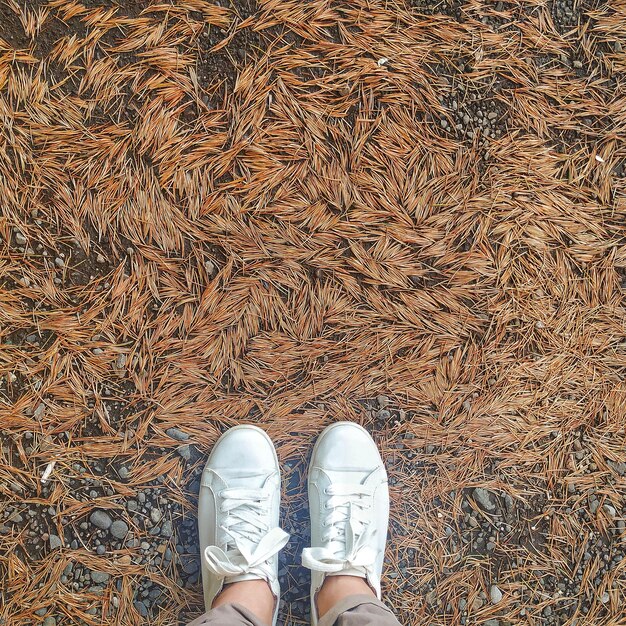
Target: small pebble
<point>185,452</point>
<point>99,577</point>
<point>383,401</point>
<point>485,499</point>
<point>610,510</point>
<point>101,519</point>
<point>141,609</point>
<point>119,529</point>
<point>177,434</point>
<point>495,594</point>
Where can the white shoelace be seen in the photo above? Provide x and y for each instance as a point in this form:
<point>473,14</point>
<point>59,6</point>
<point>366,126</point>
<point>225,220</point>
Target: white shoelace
<point>348,525</point>
<point>253,542</point>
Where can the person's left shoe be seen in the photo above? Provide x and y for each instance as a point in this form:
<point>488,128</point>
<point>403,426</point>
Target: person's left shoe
<point>238,513</point>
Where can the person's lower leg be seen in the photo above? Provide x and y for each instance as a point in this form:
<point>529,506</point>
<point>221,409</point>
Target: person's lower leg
<point>254,595</point>
<point>336,588</point>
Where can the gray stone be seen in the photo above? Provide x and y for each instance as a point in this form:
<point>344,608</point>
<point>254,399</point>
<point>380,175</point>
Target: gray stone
<point>101,519</point>
<point>509,504</point>
<point>123,472</point>
<point>485,499</point>
<point>495,594</point>
<point>119,529</point>
<point>605,597</point>
<point>156,515</point>
<point>610,510</point>
<point>100,550</point>
<point>49,621</point>
<point>99,577</point>
<point>39,411</point>
<point>383,401</point>
<point>185,452</point>
<point>166,529</point>
<point>177,434</point>
<point>55,542</point>
<point>190,567</point>
<point>141,609</point>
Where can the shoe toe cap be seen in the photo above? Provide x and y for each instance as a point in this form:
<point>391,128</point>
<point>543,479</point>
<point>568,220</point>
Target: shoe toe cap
<point>244,447</point>
<point>346,446</point>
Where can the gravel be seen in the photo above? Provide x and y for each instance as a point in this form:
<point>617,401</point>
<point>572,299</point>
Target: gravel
<point>55,542</point>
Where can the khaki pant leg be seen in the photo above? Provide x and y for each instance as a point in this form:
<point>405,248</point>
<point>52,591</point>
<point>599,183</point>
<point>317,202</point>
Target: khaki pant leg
<point>227,615</point>
<point>359,611</point>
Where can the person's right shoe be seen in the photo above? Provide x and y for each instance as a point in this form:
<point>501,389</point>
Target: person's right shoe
<point>238,511</point>
<point>349,507</point>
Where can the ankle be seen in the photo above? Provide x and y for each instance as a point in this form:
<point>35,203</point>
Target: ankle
<point>254,595</point>
<point>337,588</point>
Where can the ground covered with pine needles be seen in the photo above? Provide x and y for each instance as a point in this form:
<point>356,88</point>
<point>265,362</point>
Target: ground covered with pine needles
<point>411,215</point>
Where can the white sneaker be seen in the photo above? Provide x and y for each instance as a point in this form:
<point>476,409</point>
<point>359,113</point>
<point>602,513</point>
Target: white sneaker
<point>349,507</point>
<point>238,513</point>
